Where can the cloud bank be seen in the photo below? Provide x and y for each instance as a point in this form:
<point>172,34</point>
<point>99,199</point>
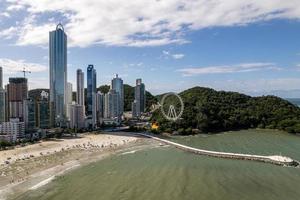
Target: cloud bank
<point>138,23</point>
<point>244,67</point>
<point>16,66</point>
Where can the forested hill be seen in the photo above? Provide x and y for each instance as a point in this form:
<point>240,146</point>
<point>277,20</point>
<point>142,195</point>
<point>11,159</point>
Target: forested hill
<point>212,111</point>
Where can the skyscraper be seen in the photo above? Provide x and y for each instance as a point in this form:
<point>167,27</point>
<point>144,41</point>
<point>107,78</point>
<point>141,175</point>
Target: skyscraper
<point>117,85</point>
<point>140,98</point>
<point>1,77</point>
<point>43,115</point>
<point>76,116</point>
<point>17,92</point>
<point>111,105</point>
<point>2,98</point>
<point>69,95</point>
<point>58,75</point>
<point>100,107</point>
<point>91,95</point>
<point>29,110</point>
<point>80,87</point>
<point>2,105</point>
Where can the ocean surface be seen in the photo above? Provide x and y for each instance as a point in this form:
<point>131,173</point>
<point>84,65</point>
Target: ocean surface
<point>295,101</point>
<point>166,173</point>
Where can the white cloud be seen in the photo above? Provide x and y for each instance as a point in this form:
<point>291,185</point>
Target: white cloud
<point>244,67</point>
<point>4,14</point>
<point>142,22</point>
<point>168,54</point>
<point>177,56</point>
<point>16,66</point>
<point>8,33</point>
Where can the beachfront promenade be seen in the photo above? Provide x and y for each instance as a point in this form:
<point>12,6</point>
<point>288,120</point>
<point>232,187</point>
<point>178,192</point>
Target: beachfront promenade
<point>275,159</point>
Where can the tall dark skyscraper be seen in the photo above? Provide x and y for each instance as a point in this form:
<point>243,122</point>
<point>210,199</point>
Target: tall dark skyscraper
<point>58,75</point>
<point>91,93</point>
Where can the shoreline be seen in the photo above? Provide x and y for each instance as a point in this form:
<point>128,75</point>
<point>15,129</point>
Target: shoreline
<point>33,172</point>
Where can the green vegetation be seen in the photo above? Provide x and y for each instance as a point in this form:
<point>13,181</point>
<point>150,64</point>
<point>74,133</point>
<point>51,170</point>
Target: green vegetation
<point>207,110</point>
<point>4,144</point>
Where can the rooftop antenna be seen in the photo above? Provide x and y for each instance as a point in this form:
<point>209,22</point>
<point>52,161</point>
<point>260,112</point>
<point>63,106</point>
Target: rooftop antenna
<point>25,71</point>
<point>60,26</point>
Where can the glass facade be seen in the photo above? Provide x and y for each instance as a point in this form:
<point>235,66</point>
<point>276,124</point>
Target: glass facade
<point>91,89</point>
<point>58,75</point>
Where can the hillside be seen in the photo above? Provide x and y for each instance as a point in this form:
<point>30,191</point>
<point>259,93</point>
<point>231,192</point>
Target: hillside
<point>213,111</point>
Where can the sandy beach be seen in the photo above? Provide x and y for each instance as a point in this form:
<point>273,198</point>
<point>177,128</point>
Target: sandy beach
<point>30,167</point>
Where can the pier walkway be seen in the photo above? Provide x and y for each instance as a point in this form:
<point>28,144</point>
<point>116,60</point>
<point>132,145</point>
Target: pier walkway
<point>275,159</point>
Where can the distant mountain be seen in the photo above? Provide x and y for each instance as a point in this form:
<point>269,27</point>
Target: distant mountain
<point>280,93</point>
<point>212,111</point>
<point>295,101</point>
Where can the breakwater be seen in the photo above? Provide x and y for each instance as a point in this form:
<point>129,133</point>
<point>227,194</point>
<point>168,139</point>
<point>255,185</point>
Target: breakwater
<point>273,159</point>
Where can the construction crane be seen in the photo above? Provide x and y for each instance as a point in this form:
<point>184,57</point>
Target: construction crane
<point>25,71</point>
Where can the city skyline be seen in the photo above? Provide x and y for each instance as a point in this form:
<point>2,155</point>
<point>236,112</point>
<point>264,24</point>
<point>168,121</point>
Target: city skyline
<point>253,54</point>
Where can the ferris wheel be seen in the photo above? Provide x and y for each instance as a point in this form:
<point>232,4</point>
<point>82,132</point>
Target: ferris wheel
<point>171,106</point>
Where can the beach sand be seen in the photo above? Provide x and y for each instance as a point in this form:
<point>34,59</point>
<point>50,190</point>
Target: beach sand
<point>35,165</point>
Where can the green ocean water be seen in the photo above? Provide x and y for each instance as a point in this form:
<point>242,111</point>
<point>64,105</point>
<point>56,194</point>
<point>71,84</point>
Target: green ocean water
<point>166,173</point>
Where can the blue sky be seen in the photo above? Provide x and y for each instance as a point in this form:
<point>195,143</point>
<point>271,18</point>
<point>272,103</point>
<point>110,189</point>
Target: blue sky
<point>251,47</point>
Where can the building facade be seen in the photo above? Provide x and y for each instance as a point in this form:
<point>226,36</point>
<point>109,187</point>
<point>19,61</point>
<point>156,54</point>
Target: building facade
<point>111,105</point>
<point>58,75</point>
<point>17,92</point>
<point>80,88</point>
<point>43,112</point>
<point>118,87</point>
<point>100,108</point>
<point>76,116</point>
<point>69,97</point>
<point>29,111</point>
<point>91,95</point>
<point>140,98</point>
<point>2,98</point>
<point>13,130</point>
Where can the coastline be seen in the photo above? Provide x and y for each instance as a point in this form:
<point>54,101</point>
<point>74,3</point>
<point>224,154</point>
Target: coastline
<point>32,167</point>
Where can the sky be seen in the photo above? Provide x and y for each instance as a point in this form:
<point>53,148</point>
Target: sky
<point>248,46</point>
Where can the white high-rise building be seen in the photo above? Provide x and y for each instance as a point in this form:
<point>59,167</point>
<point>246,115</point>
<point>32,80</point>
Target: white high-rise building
<point>139,99</point>
<point>117,85</point>
<point>80,87</point>
<point>13,130</point>
<point>111,105</point>
<point>76,116</point>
